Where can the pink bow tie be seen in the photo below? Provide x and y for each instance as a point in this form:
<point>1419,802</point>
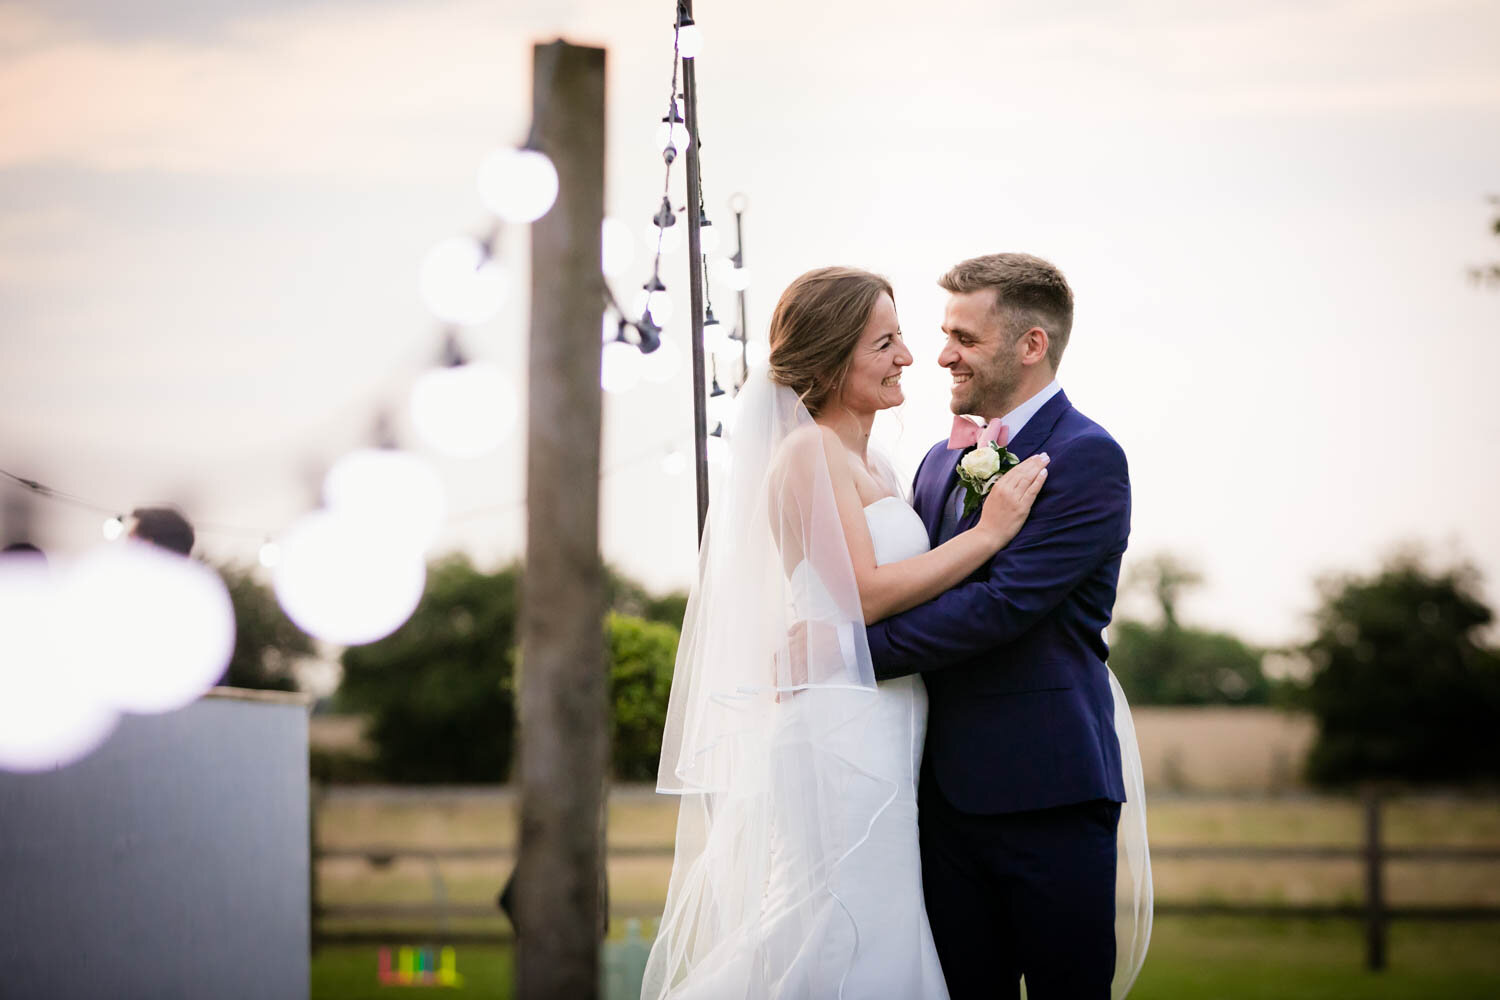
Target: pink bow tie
<point>966,433</point>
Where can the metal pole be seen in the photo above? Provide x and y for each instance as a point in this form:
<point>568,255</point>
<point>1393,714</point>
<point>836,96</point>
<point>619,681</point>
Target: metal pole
<point>695,281</point>
<point>564,713</point>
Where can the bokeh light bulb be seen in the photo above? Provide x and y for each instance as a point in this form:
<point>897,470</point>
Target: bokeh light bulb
<point>757,353</point>
<point>464,411</point>
<point>49,714</point>
<point>662,364</point>
<point>160,626</point>
<point>395,494</point>
<point>620,367</point>
<point>658,304</point>
<point>708,239</point>
<point>113,528</point>
<point>673,134</point>
<point>519,185</point>
<point>617,247</point>
<point>269,555</point>
<point>460,284</point>
<point>689,41</point>
<point>342,583</point>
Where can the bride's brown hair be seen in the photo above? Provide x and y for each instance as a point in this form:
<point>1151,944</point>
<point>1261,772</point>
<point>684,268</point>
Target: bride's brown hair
<point>817,322</point>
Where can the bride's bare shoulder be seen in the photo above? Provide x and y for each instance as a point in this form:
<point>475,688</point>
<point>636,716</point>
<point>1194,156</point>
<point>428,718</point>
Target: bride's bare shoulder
<point>807,450</point>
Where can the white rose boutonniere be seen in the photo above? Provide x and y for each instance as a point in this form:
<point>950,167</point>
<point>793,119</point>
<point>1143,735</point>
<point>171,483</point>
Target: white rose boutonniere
<point>980,470</point>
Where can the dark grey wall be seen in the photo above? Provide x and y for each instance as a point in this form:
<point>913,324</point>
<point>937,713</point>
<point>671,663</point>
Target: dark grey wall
<point>170,863</point>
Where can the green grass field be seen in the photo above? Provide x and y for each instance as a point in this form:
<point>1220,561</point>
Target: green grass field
<point>1217,958</point>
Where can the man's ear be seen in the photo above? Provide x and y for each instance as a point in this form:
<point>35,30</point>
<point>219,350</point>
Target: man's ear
<point>1034,344</point>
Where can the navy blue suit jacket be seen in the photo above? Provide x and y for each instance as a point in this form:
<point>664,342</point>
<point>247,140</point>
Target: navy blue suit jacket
<point>1021,716</point>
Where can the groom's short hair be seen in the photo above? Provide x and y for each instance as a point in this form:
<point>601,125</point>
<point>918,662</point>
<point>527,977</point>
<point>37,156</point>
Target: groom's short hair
<point>1029,292</point>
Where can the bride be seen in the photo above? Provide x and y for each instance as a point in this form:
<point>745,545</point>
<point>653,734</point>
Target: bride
<point>797,872</point>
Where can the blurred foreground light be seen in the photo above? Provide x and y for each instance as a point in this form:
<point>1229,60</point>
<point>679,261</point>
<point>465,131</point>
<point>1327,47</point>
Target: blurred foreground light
<point>617,247</point>
<point>49,716</point>
<point>718,452</point>
<point>689,40</point>
<point>461,284</point>
<point>270,555</point>
<point>396,494</point>
<point>343,583</point>
<point>519,185</point>
<point>658,304</point>
<point>722,410</point>
<point>151,630</point>
<point>669,239</point>
<point>757,353</point>
<point>620,366</point>
<point>708,239</point>
<point>464,411</point>
<point>672,134</point>
<point>662,364</point>
<point>113,528</point>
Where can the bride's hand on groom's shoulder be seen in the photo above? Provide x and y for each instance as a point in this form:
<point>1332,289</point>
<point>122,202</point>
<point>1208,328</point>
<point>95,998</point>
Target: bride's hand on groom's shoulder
<point>1009,501</point>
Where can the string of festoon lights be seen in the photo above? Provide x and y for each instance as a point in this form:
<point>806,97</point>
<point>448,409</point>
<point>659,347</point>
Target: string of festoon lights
<point>131,628</point>
<point>638,351</point>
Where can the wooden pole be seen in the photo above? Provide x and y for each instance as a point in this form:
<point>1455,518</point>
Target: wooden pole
<point>564,718</point>
<point>695,281</point>
<point>1375,916</point>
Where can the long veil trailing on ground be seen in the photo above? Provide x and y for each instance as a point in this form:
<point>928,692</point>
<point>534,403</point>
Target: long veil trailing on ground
<point>1134,893</point>
<point>777,796</point>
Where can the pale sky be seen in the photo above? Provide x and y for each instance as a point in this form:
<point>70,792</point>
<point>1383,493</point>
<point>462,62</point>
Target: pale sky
<point>212,214</point>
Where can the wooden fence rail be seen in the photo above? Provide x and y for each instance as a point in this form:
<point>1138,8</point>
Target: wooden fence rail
<point>1375,912</point>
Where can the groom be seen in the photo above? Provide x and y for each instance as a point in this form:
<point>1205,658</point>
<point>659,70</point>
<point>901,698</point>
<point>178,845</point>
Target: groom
<point>1021,787</point>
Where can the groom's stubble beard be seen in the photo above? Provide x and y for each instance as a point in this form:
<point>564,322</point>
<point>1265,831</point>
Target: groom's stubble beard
<point>991,392</point>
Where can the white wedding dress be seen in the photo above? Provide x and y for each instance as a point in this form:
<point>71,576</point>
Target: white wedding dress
<point>852,926</point>
<point>878,884</point>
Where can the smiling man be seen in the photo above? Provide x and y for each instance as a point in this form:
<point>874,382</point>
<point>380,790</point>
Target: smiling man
<point>1022,783</point>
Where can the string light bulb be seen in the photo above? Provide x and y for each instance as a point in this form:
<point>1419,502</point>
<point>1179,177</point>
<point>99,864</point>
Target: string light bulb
<point>662,364</point>
<point>689,38</point>
<point>343,583</point>
<point>620,367</point>
<point>113,528</point>
<point>464,410</point>
<point>392,493</point>
<point>616,247</point>
<point>518,185</point>
<point>461,283</point>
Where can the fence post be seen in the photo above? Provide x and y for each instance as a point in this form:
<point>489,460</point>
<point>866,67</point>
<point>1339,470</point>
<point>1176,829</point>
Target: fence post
<point>1375,918</point>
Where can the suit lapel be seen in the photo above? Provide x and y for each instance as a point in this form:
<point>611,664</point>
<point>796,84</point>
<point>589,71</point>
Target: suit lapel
<point>1035,434</point>
<point>938,476</point>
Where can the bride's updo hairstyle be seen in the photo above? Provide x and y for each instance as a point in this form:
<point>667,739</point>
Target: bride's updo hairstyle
<point>815,327</point>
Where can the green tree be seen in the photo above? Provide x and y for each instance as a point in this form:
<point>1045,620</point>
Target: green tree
<point>266,643</point>
<point>642,655</point>
<point>628,597</point>
<point>1171,664</point>
<point>1402,686</point>
<point>439,690</point>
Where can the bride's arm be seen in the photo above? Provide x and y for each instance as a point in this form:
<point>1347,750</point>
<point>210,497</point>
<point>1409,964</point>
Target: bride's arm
<point>885,590</point>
